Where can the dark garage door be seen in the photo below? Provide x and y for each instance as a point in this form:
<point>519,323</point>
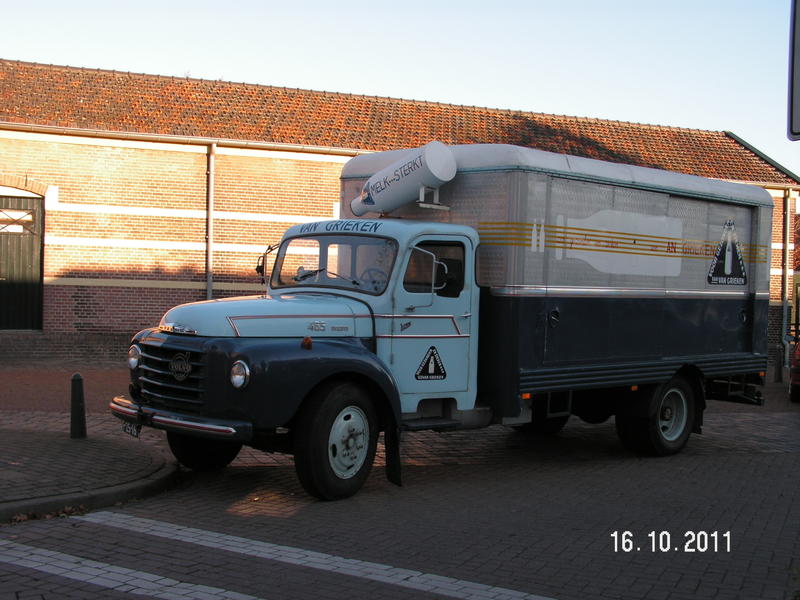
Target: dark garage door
<point>20,263</point>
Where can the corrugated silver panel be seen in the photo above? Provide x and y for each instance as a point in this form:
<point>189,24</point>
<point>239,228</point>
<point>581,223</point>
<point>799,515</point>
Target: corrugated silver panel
<point>545,230</point>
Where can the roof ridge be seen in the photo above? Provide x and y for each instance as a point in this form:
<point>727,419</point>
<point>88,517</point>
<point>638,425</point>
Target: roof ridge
<point>511,111</point>
<point>115,72</point>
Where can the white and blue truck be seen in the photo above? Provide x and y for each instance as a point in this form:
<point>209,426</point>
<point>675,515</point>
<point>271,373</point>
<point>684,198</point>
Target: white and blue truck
<point>467,286</point>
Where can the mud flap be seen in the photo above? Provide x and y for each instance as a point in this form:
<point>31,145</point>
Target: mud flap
<point>391,443</point>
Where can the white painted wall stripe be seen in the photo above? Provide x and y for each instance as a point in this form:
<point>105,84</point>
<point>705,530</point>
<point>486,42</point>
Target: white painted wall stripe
<point>58,240</point>
<point>104,575</point>
<point>406,578</point>
<point>9,191</point>
<point>179,213</point>
<point>52,203</point>
<point>199,148</point>
<point>277,154</point>
<point>151,284</point>
<point>97,141</point>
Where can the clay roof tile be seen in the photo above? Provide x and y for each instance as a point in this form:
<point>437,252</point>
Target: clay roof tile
<point>114,101</point>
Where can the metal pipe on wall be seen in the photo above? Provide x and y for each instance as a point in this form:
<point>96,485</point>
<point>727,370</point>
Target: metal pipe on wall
<point>210,172</point>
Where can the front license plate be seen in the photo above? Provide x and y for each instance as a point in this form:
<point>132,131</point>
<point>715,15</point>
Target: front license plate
<point>132,429</point>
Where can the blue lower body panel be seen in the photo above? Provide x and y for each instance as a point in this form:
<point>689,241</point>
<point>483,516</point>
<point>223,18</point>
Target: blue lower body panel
<point>546,343</point>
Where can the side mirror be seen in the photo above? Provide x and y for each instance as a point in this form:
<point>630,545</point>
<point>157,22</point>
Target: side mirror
<point>261,265</point>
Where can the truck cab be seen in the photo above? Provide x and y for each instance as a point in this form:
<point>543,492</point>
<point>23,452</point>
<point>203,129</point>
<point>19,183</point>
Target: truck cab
<point>378,312</point>
<point>418,299</point>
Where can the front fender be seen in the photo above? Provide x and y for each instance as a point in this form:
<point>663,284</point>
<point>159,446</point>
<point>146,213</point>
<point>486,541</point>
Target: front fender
<point>283,373</point>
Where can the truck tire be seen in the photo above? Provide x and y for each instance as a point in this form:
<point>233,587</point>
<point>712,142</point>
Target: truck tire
<point>544,426</point>
<point>201,454</point>
<point>661,422</point>
<point>335,441</point>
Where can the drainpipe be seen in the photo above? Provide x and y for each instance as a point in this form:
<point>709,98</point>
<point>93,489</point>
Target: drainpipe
<point>787,196</point>
<point>211,155</point>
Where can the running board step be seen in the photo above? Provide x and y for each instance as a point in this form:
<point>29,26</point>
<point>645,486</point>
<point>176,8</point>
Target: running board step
<point>435,424</point>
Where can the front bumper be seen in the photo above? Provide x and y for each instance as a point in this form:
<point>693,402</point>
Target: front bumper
<point>131,412</point>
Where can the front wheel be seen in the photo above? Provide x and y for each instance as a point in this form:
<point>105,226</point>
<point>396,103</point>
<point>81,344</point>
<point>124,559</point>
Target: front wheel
<point>335,441</point>
<point>662,421</point>
<point>201,454</point>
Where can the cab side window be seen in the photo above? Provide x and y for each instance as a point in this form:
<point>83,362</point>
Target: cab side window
<point>450,276</point>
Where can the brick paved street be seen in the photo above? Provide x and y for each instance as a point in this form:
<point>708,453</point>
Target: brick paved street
<point>488,514</point>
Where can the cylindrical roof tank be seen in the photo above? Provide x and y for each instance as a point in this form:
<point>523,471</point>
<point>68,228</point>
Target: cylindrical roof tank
<point>399,183</point>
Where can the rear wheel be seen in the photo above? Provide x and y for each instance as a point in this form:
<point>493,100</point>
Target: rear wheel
<point>335,441</point>
<point>201,454</point>
<point>662,421</point>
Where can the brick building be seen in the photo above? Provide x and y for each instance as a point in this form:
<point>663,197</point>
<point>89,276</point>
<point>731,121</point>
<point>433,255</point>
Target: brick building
<point>124,194</point>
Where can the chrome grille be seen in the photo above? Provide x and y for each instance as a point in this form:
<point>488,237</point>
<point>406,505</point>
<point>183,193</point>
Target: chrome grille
<point>172,377</point>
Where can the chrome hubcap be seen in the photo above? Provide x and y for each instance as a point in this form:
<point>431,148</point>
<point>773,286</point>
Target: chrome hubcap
<point>348,442</point>
<point>672,414</point>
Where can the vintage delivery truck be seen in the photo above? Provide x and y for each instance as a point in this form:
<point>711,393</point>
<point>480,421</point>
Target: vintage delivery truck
<point>464,286</point>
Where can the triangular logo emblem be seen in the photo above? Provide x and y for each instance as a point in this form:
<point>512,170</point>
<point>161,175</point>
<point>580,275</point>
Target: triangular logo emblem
<point>431,366</point>
<point>727,268</point>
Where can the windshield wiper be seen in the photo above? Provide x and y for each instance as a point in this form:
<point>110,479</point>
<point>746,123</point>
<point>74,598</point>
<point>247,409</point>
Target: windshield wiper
<point>353,281</point>
<point>308,274</point>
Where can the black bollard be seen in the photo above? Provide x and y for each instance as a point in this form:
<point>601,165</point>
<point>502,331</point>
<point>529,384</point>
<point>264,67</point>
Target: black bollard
<point>77,420</point>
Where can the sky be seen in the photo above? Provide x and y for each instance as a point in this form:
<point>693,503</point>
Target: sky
<point>718,65</point>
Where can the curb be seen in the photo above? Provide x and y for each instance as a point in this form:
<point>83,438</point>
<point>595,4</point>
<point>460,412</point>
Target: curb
<point>156,481</point>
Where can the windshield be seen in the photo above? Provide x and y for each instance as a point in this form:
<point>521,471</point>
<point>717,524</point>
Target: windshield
<point>353,262</point>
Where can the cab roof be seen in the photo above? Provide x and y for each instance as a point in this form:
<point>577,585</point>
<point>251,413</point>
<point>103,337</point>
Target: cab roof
<point>401,230</point>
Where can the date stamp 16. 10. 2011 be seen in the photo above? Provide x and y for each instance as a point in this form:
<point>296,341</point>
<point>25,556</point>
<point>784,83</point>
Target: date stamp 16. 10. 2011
<point>665,541</point>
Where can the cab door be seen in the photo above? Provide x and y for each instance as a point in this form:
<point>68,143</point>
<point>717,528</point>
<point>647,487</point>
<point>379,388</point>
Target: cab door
<point>432,321</point>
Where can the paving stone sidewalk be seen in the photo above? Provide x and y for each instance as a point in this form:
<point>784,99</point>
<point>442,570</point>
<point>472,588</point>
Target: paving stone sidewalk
<point>43,470</point>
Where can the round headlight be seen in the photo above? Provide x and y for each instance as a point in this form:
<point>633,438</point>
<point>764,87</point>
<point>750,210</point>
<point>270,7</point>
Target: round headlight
<point>134,356</point>
<point>240,374</point>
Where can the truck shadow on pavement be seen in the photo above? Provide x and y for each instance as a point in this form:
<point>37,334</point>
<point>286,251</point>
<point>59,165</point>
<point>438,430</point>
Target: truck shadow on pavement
<point>265,485</point>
